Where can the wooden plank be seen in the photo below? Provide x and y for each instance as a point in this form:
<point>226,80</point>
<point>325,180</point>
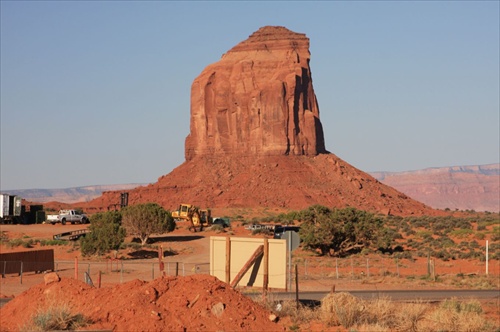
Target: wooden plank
<point>266,265</point>
<point>228,259</point>
<point>248,264</point>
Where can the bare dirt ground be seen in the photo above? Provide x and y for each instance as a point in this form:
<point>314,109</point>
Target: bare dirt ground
<point>318,275</point>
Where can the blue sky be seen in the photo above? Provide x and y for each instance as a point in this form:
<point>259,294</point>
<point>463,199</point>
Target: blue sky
<point>99,92</point>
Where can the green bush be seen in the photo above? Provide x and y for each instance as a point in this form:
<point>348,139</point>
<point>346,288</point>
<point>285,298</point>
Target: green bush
<point>105,234</point>
<point>344,231</point>
<point>144,220</point>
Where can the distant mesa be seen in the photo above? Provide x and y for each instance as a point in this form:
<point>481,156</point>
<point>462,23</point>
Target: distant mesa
<point>256,140</point>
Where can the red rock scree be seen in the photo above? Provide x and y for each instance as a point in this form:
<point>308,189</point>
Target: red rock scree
<point>193,303</point>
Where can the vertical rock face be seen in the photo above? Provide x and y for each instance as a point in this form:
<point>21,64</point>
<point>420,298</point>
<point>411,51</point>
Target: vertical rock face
<point>257,100</point>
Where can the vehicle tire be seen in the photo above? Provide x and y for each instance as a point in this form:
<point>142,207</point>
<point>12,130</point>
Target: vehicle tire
<point>53,223</point>
<point>63,221</point>
<point>85,221</point>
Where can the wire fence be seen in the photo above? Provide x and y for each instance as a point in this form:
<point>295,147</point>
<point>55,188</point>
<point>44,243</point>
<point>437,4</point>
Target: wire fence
<point>323,271</point>
<point>114,270</point>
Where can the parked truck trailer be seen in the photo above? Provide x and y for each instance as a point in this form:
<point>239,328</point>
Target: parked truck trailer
<point>10,209</point>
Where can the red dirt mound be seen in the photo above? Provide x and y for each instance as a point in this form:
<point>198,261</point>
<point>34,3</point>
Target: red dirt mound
<point>199,302</point>
<point>288,182</point>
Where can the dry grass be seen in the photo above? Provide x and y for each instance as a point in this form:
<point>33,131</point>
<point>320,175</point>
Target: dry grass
<point>55,317</point>
<point>300,314</point>
<point>341,309</point>
<point>410,316</point>
<point>346,311</point>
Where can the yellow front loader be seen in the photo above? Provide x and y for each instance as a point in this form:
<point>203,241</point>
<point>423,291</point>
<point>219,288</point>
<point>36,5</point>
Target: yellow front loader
<point>197,217</point>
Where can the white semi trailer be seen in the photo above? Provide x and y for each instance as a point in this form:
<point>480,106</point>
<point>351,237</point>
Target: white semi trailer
<point>10,209</point>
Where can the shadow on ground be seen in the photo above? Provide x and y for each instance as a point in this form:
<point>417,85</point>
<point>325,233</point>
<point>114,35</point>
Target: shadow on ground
<point>145,253</point>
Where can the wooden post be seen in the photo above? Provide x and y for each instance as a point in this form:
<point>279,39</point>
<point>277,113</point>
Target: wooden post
<point>297,285</point>
<point>266,267</point>
<point>428,264</point>
<point>76,267</point>
<point>433,270</point>
<point>160,261</point>
<point>367,267</point>
<point>248,264</point>
<point>487,257</point>
<point>99,279</point>
<point>176,269</point>
<point>228,260</point>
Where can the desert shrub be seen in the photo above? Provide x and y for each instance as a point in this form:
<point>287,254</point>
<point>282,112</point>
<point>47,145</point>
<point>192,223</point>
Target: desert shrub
<point>45,242</point>
<point>341,309</point>
<point>380,312</point>
<point>461,233</point>
<point>263,231</point>
<point>55,317</point>
<point>20,243</point>
<point>144,220</point>
<point>344,231</point>
<point>403,255</point>
<point>442,254</point>
<point>454,315</point>
<point>424,235</point>
<point>105,234</point>
<point>411,316</point>
<point>445,242</point>
<point>286,219</point>
<point>481,226</point>
<point>480,236</point>
<point>217,228</point>
<point>474,244</point>
<point>496,234</point>
<point>421,222</point>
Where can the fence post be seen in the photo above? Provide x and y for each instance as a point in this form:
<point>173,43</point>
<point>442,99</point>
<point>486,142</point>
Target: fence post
<point>21,275</point>
<point>352,268</point>
<point>367,267</point>
<point>297,286</point>
<point>176,269</point>
<point>487,258</point>
<point>76,268</point>
<point>99,279</point>
<point>428,264</point>
<point>4,268</point>
<point>121,274</point>
<point>397,266</point>
<point>337,267</point>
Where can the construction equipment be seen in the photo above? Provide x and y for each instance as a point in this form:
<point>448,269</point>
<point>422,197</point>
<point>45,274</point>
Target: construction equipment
<point>197,217</point>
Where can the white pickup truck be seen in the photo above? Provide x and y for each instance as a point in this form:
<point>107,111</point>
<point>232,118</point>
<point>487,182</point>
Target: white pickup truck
<point>65,216</point>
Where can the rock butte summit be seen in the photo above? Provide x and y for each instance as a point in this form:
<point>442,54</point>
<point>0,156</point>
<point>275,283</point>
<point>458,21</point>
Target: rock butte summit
<point>257,100</point>
<point>256,140</point>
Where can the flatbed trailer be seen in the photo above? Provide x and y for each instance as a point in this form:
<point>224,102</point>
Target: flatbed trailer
<point>72,235</point>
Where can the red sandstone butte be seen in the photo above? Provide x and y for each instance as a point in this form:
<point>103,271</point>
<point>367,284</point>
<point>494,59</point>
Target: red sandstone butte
<point>256,140</point>
<point>257,100</point>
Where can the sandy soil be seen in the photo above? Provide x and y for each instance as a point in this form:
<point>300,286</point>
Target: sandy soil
<point>191,248</point>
